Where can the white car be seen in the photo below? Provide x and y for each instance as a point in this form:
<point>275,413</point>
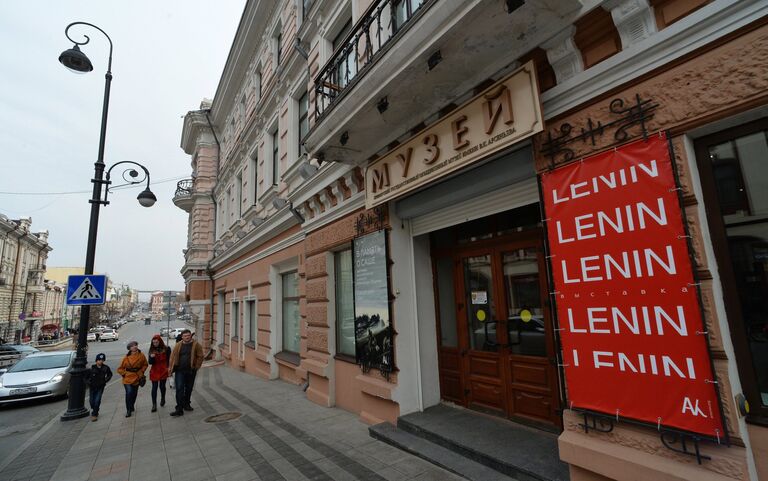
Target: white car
<point>41,374</point>
<point>91,336</point>
<point>108,335</point>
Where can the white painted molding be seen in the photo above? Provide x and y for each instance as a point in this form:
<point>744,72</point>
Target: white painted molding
<point>700,28</point>
<point>633,19</point>
<point>563,54</point>
<point>351,182</point>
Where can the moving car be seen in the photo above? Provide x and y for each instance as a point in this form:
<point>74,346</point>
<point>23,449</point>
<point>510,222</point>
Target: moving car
<point>91,336</point>
<point>39,375</point>
<point>109,335</point>
<point>10,354</point>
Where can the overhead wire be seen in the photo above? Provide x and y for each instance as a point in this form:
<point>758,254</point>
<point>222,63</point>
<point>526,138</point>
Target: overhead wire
<point>117,187</point>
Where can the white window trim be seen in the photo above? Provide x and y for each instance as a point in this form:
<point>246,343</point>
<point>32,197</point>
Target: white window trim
<point>253,177</point>
<point>276,305</point>
<point>233,327</point>
<point>239,195</point>
<point>220,316</point>
<point>247,331</point>
<point>273,135</point>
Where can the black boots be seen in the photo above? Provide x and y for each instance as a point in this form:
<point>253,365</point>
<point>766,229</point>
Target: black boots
<point>162,401</point>
<point>178,412</point>
<point>154,408</point>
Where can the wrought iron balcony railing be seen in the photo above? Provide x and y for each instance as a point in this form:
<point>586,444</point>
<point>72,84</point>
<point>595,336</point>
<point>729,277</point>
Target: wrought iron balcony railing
<point>368,40</point>
<point>184,188</point>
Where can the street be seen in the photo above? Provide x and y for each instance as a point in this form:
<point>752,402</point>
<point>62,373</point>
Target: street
<point>19,422</point>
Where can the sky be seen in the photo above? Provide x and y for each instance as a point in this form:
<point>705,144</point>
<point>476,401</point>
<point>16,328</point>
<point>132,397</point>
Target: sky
<point>167,56</point>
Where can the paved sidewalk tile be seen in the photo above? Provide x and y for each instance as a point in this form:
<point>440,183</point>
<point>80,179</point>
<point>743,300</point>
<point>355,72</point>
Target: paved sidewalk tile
<point>278,436</point>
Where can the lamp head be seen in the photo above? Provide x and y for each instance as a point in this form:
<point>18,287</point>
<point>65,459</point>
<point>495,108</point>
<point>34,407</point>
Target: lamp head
<point>307,170</point>
<point>75,60</point>
<point>147,198</point>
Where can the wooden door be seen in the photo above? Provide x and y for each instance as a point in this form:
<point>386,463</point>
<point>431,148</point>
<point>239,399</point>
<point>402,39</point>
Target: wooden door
<point>497,346</point>
<point>529,353</point>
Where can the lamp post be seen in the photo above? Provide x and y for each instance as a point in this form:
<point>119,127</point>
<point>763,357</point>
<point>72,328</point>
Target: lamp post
<point>75,60</point>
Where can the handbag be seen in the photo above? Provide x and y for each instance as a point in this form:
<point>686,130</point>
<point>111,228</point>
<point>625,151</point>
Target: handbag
<point>142,381</point>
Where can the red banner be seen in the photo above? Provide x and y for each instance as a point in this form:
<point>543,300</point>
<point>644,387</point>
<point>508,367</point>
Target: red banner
<point>632,331</point>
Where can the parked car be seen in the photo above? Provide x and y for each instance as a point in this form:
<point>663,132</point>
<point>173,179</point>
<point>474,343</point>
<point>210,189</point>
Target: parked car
<point>10,354</point>
<point>109,335</point>
<point>40,374</point>
<point>164,331</point>
<point>91,336</point>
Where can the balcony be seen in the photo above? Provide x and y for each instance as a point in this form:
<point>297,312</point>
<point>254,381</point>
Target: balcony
<point>182,198</point>
<point>368,41</point>
<point>405,61</point>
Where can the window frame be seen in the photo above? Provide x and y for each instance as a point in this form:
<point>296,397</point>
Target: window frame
<point>275,138</point>
<point>344,356</point>
<point>221,316</point>
<point>302,117</point>
<point>253,321</point>
<point>234,317</point>
<point>338,42</point>
<point>278,45</point>
<point>731,300</point>
<point>290,356</point>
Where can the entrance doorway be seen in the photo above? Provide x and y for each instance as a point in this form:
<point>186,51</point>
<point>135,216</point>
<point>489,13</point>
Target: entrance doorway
<point>496,348</point>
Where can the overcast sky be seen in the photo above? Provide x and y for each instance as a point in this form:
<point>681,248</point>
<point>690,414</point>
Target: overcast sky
<point>167,56</point>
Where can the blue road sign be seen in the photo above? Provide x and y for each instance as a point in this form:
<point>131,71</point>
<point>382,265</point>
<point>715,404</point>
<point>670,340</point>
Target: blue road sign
<point>86,290</point>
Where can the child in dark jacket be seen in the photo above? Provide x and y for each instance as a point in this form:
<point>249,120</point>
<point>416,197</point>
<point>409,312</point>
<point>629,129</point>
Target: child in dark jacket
<point>98,377</point>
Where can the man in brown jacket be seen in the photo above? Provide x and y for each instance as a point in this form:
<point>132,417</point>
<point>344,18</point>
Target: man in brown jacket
<point>186,359</point>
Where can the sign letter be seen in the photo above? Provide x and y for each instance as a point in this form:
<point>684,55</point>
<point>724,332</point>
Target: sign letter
<point>491,113</point>
<point>459,131</point>
<point>431,142</point>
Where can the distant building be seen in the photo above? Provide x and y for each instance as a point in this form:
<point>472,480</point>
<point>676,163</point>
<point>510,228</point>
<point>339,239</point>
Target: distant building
<point>23,255</point>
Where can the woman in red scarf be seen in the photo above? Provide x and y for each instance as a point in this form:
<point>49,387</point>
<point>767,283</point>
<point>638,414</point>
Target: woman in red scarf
<point>159,355</point>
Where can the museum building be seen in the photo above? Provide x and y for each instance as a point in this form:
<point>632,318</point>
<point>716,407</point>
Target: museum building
<point>549,215</point>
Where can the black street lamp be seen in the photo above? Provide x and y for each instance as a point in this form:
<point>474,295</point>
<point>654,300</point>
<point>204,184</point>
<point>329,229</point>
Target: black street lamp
<point>75,60</point>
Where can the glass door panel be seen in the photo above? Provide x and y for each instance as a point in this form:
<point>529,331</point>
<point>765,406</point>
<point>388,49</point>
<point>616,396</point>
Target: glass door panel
<point>446,299</point>
<point>478,293</point>
<point>525,312</point>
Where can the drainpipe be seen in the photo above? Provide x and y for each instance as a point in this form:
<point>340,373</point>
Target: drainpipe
<point>208,268</point>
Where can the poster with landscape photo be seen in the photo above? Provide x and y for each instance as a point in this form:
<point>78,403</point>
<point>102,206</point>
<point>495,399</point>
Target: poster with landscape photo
<point>373,335</point>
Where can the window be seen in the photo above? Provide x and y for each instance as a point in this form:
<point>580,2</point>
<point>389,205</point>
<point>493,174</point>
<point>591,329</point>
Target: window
<point>229,209</point>
<point>346,67</point>
<point>275,158</point>
<point>252,328</point>
<point>734,177</point>
<point>279,48</point>
<point>220,307</point>
<point>303,120</point>
<point>345,307</point>
<point>290,311</point>
<point>254,176</point>
<point>404,10</point>
<point>235,322</point>
<point>257,85</point>
<point>239,198</point>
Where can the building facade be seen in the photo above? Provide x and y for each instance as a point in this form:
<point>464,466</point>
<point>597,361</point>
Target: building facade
<point>23,255</point>
<point>380,212</point>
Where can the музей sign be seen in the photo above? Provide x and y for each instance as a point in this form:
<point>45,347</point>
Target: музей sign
<point>632,333</point>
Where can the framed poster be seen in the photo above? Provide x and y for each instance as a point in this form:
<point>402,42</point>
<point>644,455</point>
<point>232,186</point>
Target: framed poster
<point>632,334</point>
<point>373,329</point>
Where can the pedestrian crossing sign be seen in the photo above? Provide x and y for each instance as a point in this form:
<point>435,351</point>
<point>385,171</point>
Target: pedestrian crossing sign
<point>86,290</point>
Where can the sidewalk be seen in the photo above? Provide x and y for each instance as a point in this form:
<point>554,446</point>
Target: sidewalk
<point>280,435</point>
